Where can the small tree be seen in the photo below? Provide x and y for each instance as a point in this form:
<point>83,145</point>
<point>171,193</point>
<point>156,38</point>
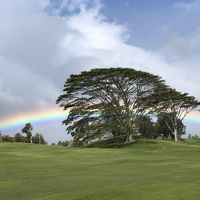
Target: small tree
<point>19,137</point>
<point>162,126</point>
<point>175,104</point>
<point>39,139</point>
<point>27,130</point>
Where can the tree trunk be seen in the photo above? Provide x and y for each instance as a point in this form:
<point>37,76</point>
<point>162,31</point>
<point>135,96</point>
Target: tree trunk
<point>175,130</point>
<point>31,140</point>
<point>175,135</point>
<point>129,138</point>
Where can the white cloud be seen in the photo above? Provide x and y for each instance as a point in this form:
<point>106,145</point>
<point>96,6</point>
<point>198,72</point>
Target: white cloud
<point>188,7</point>
<point>105,43</point>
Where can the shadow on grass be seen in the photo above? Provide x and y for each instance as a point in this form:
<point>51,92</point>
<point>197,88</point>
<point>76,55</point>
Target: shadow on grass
<point>119,142</point>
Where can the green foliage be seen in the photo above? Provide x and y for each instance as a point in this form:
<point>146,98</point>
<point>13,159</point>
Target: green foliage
<point>145,127</point>
<point>107,101</point>
<point>7,138</point>
<point>194,137</point>
<point>162,126</point>
<point>64,143</point>
<point>27,130</point>
<point>110,101</point>
<point>38,139</point>
<point>176,105</point>
<point>115,142</point>
<point>19,137</point>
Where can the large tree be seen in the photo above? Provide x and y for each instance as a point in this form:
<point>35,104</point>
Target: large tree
<point>107,101</point>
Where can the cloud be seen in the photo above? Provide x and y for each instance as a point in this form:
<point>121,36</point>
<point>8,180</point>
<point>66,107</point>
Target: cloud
<point>105,44</point>
<point>188,7</point>
<point>43,42</point>
<point>183,48</point>
<point>63,7</point>
<point>22,89</point>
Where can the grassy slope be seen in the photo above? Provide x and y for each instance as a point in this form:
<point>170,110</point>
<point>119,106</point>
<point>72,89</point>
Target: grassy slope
<point>155,170</point>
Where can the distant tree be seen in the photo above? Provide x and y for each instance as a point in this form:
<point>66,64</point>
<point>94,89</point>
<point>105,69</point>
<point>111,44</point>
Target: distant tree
<point>7,138</point>
<point>19,137</point>
<point>38,139</point>
<point>189,136</point>
<point>64,143</point>
<point>27,130</point>
<point>195,137</point>
<point>107,101</point>
<point>164,126</point>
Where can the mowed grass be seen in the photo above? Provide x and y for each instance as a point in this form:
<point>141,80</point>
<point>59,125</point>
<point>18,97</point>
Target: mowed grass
<point>148,170</point>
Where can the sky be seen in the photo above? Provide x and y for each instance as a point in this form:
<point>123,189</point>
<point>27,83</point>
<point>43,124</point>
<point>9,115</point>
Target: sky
<point>42,42</point>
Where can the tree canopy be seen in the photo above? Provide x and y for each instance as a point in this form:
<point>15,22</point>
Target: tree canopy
<point>164,125</point>
<point>109,101</point>
<point>176,105</point>
<point>27,130</point>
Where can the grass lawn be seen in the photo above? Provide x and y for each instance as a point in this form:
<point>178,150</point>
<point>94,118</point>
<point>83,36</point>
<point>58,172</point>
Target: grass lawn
<point>148,170</point>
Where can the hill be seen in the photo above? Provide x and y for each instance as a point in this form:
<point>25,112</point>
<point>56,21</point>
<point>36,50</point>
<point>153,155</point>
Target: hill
<point>147,170</point>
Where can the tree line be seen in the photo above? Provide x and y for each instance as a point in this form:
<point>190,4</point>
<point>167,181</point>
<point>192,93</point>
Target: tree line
<point>38,138</point>
<point>112,102</point>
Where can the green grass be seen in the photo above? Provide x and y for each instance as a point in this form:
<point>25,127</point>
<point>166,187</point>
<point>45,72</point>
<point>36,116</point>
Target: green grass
<point>147,170</point>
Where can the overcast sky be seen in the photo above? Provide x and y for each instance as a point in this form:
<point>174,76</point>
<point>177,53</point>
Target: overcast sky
<point>43,41</point>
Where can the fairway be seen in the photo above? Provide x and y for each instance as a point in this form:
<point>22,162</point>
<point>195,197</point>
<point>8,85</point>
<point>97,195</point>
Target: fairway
<point>148,170</point>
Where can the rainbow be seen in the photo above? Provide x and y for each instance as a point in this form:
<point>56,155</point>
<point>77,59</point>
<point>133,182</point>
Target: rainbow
<point>47,116</point>
<point>193,117</point>
<point>52,115</point>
